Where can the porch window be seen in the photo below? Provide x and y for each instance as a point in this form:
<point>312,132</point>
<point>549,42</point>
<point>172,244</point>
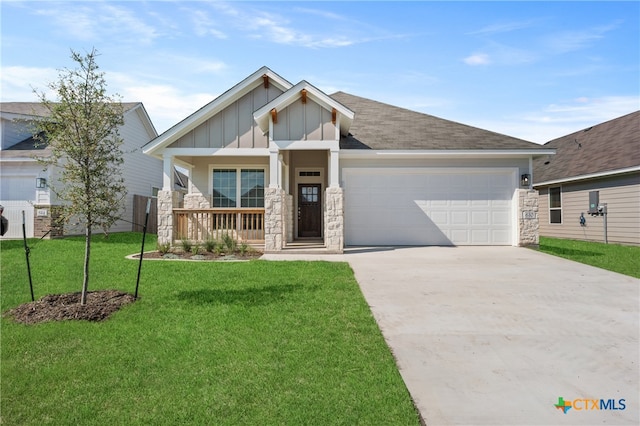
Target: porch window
<point>555,205</point>
<point>224,188</point>
<point>231,185</point>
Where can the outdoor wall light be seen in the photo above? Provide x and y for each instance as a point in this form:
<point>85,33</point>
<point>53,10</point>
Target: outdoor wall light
<point>41,183</point>
<point>525,179</point>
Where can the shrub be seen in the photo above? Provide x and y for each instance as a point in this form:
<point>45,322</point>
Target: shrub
<point>210,245</point>
<point>164,248</point>
<point>186,245</point>
<point>195,249</point>
<point>229,243</point>
<point>243,249</point>
<point>218,249</point>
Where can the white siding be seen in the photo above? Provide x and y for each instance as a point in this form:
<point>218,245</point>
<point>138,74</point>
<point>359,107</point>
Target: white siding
<point>141,172</point>
<point>300,121</point>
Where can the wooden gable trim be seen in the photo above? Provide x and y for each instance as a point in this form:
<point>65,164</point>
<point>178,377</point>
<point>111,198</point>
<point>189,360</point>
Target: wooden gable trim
<point>274,115</point>
<point>303,93</point>
<point>265,81</point>
<point>334,115</point>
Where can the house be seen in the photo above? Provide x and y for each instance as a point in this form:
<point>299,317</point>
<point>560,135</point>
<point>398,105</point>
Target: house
<point>272,163</point>
<point>24,183</point>
<point>603,160</point>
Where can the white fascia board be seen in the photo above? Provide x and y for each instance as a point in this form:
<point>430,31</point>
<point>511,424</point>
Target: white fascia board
<point>307,145</point>
<point>484,153</point>
<point>18,160</point>
<point>262,115</point>
<point>588,176</point>
<point>146,120</point>
<point>212,108</point>
<point>217,152</point>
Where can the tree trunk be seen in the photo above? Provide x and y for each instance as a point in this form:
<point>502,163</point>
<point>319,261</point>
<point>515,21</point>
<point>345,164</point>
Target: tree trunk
<point>87,255</point>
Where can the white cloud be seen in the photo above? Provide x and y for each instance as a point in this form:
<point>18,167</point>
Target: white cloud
<point>97,21</point>
<point>18,83</point>
<point>477,59</point>
<point>572,40</point>
<point>502,28</point>
<point>560,119</point>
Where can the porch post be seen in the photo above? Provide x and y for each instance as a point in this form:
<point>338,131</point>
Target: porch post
<point>274,167</point>
<point>274,208</point>
<point>334,170</point>
<point>167,173</point>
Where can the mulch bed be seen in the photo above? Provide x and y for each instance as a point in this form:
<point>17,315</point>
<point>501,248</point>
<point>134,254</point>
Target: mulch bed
<point>202,255</point>
<point>60,307</point>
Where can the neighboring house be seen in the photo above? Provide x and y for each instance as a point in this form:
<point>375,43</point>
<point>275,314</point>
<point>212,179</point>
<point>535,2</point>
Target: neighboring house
<point>603,158</point>
<point>25,185</point>
<point>271,162</point>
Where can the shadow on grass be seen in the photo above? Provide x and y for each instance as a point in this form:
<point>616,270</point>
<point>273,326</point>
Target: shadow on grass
<point>244,297</point>
<point>564,251</point>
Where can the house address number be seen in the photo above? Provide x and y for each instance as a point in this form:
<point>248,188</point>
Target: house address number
<point>528,214</point>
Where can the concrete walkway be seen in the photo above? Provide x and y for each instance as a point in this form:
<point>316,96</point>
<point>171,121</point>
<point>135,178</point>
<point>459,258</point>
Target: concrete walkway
<point>495,335</point>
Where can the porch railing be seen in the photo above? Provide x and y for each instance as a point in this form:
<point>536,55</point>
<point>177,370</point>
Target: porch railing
<point>212,224</point>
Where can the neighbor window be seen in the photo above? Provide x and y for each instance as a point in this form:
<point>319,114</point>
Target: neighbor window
<point>231,185</point>
<point>555,205</point>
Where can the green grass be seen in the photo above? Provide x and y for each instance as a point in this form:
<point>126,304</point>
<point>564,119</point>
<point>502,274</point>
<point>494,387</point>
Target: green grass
<point>613,257</point>
<point>207,343</point>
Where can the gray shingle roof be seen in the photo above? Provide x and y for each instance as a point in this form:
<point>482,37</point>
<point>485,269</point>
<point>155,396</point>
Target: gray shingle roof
<point>36,109</point>
<point>381,126</point>
<point>606,147</point>
<point>30,148</point>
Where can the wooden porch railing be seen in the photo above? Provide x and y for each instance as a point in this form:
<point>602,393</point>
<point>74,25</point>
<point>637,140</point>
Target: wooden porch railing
<point>211,224</point>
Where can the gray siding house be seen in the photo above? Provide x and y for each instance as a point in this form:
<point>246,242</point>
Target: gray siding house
<point>24,184</point>
<point>603,158</point>
<point>277,163</point>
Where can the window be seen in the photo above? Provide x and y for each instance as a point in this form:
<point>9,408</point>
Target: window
<point>231,185</point>
<point>252,188</point>
<point>224,188</point>
<point>555,205</point>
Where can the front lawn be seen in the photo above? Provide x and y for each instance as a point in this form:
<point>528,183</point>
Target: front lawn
<point>207,343</point>
<point>613,257</point>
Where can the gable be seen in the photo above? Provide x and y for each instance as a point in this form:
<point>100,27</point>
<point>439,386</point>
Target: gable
<point>233,126</point>
<point>304,121</point>
<point>223,121</point>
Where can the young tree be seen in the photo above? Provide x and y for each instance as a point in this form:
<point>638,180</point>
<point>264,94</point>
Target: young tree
<point>82,131</point>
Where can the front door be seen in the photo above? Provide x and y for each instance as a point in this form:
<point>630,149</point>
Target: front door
<point>309,210</point>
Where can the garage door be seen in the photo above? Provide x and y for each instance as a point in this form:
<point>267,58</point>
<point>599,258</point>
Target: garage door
<point>426,206</point>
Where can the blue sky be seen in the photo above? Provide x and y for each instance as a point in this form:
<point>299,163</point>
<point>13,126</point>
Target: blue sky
<point>534,70</point>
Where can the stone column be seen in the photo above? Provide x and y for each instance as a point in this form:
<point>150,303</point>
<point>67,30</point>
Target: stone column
<point>334,220</point>
<point>528,218</point>
<point>289,218</point>
<point>167,200</point>
<point>274,207</point>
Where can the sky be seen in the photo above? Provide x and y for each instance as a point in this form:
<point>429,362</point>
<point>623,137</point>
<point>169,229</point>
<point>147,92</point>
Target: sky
<point>533,70</point>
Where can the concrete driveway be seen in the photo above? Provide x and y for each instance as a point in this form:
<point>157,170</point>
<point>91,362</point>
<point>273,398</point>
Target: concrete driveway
<point>496,335</point>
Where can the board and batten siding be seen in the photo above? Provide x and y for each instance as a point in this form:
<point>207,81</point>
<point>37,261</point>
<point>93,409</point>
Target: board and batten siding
<point>234,126</point>
<point>622,195</point>
<point>304,121</point>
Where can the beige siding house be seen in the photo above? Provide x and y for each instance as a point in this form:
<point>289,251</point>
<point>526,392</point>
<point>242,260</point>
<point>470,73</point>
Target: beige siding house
<point>605,159</point>
<point>24,184</point>
<point>281,164</point>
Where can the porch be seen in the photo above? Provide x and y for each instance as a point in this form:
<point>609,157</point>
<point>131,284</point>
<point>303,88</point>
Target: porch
<point>200,225</point>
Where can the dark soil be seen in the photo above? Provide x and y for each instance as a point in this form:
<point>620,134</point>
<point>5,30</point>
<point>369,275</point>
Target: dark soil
<point>60,307</point>
<point>202,255</point>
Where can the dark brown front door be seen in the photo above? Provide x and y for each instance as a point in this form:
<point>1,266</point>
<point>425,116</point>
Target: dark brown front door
<point>309,210</point>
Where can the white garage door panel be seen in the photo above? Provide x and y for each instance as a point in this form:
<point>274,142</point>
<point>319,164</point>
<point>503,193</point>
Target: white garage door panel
<point>428,206</point>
